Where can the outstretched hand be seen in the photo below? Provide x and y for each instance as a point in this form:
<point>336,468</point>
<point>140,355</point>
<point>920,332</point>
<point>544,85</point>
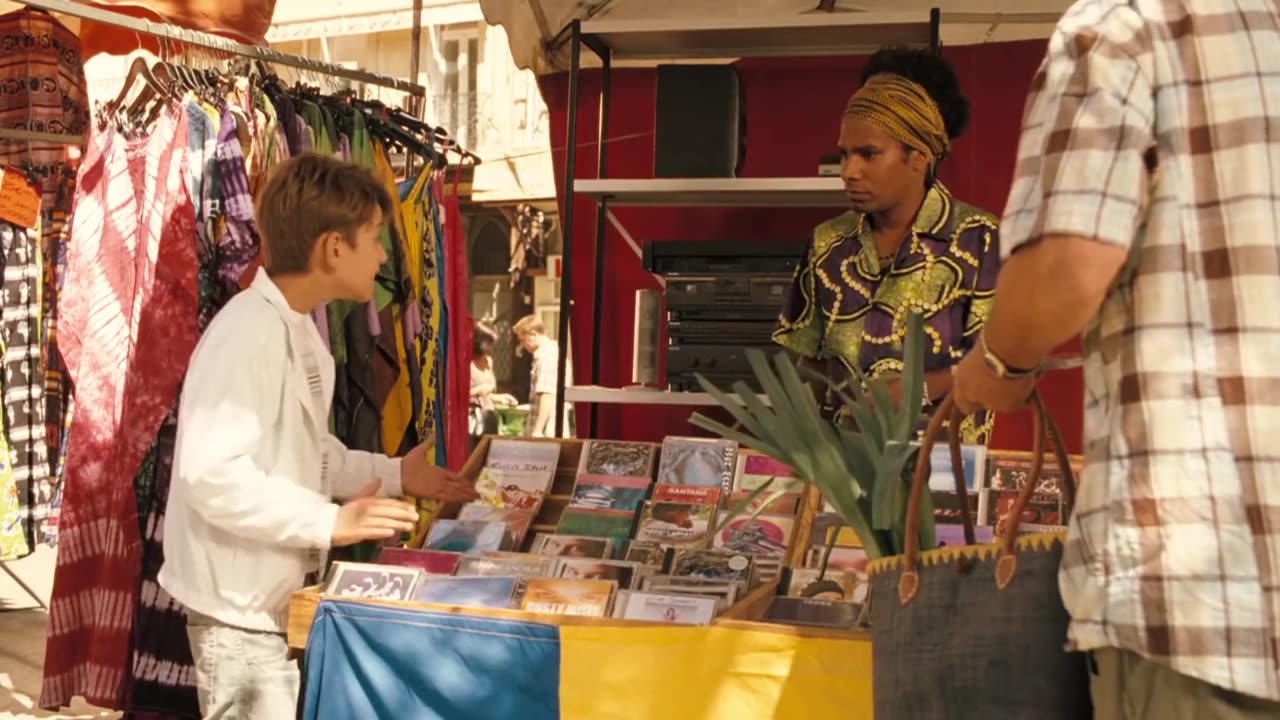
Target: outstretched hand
<point>420,478</point>
<point>366,517</point>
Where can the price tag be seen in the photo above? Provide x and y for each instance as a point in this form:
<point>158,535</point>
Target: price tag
<point>19,201</point>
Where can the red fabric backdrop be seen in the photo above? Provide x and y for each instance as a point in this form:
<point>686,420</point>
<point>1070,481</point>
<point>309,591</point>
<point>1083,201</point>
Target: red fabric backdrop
<point>793,115</point>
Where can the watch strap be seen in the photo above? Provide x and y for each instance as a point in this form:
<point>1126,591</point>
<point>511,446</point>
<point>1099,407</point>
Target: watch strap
<point>1000,367</point>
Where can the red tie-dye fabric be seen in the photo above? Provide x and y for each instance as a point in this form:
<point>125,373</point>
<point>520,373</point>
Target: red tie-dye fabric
<point>127,328</point>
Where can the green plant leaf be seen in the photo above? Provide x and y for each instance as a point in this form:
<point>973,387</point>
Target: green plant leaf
<point>716,427</point>
<point>754,422</point>
<point>769,382</point>
<point>883,408</point>
<point>765,416</point>
<point>735,511</point>
<point>859,473</point>
<point>912,390</point>
<point>840,389</point>
<point>827,446</point>
<point>787,435</point>
<point>870,425</point>
<point>861,467</point>
<point>859,408</point>
<point>853,516</point>
<point>808,417</point>
<point>885,515</point>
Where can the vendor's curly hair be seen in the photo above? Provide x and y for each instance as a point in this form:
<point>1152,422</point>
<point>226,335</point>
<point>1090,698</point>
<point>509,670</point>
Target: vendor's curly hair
<point>931,72</point>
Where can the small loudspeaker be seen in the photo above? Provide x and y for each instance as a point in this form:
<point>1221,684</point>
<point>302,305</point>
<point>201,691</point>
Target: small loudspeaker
<point>700,125</point>
<point>648,332</point>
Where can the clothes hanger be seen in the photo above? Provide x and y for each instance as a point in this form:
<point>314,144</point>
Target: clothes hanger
<point>161,86</point>
<point>138,70</point>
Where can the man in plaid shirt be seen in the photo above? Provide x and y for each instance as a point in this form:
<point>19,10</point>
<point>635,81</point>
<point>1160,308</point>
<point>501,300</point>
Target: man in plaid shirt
<point>1145,215</point>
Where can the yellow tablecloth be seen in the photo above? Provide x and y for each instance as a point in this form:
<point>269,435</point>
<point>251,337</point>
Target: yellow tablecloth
<point>711,673</point>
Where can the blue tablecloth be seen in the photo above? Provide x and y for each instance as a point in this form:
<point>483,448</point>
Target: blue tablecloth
<point>365,662</point>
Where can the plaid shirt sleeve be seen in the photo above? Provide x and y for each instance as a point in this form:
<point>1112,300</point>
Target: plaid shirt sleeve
<point>1087,129</point>
<point>1153,129</point>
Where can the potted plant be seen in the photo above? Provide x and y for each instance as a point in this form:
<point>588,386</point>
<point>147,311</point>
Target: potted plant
<point>863,470</point>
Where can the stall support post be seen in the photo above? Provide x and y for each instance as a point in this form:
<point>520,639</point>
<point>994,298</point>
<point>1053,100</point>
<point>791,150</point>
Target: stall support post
<point>602,210</point>
<point>566,226</point>
<point>935,31</point>
<point>417,105</point>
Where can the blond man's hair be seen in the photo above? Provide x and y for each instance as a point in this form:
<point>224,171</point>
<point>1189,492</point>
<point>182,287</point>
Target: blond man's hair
<point>529,325</point>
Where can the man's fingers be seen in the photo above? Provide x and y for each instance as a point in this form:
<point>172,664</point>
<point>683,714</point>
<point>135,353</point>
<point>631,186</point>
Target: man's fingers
<point>391,509</point>
<point>391,525</point>
<point>370,489</point>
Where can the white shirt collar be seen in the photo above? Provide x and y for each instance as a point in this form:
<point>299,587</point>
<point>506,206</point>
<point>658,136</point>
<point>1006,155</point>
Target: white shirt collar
<point>269,290</point>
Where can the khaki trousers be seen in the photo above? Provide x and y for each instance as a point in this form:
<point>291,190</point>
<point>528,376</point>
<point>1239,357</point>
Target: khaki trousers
<point>1126,686</point>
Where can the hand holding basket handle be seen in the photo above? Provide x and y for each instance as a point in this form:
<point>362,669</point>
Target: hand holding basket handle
<point>961,621</point>
<point>1006,566</point>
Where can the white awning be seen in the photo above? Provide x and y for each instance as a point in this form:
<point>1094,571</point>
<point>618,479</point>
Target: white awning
<point>299,20</point>
<point>533,25</point>
<point>519,177</point>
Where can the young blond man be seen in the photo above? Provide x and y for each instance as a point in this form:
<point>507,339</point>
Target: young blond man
<point>251,508</point>
<point>532,335</point>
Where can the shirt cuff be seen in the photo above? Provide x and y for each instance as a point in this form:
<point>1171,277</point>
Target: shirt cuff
<point>388,471</point>
<point>320,530</point>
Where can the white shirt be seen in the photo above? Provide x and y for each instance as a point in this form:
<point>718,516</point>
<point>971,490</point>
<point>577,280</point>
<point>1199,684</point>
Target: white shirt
<point>255,471</point>
<point>542,386</point>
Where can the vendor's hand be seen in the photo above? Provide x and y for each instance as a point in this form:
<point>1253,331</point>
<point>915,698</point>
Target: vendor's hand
<point>504,399</point>
<point>371,518</point>
<point>420,478</point>
<point>976,387</point>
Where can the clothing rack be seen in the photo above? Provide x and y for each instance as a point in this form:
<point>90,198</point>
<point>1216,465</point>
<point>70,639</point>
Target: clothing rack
<point>10,135</point>
<point>22,584</point>
<point>219,44</point>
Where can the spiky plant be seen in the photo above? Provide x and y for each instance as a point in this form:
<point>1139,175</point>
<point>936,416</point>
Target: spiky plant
<point>862,471</point>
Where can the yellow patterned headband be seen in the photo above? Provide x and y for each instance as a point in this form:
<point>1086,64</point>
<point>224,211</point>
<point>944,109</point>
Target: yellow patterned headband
<point>904,111</point>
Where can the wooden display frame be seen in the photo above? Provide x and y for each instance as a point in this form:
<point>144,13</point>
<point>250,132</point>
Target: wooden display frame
<point>746,614</point>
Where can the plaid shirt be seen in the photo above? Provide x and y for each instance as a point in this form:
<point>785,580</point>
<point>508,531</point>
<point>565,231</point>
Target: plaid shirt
<point>1152,125</point>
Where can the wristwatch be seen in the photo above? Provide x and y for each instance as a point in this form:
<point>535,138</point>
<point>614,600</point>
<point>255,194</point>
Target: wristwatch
<point>1002,369</point>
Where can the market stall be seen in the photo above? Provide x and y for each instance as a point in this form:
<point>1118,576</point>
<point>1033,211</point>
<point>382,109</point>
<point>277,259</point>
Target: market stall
<point>767,646</point>
<point>744,663</point>
<point>218,114</point>
<point>451,660</point>
<point>791,642</point>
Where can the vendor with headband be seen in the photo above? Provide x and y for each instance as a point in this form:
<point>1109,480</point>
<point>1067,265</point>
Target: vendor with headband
<point>905,245</point>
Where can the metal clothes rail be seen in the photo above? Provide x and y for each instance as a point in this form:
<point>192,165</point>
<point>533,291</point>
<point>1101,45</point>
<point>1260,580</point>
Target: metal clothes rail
<point>10,135</point>
<point>214,42</point>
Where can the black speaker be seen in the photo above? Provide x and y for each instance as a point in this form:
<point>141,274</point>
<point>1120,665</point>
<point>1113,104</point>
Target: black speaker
<point>701,122</point>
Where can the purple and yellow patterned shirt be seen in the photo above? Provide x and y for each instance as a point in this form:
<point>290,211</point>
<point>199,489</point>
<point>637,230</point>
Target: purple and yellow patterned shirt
<point>845,306</point>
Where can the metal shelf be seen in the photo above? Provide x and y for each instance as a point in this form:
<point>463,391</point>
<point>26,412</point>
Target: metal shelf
<point>594,394</point>
<point>726,36</point>
<point>718,192</point>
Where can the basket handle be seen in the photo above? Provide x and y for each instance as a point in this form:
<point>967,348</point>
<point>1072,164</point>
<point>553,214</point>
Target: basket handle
<point>1043,427</point>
